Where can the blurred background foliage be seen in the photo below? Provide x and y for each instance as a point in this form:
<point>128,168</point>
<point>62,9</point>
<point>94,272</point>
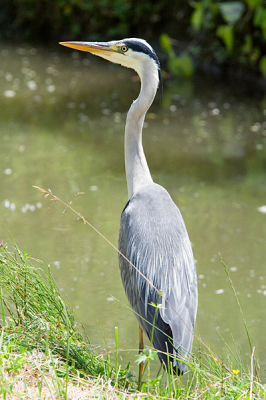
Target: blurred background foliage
<point>230,34</point>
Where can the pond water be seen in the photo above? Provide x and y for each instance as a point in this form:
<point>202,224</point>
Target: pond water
<point>62,117</point>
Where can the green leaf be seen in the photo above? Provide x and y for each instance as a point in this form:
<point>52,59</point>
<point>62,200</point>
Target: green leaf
<point>155,380</point>
<point>181,65</point>
<point>147,354</point>
<point>231,11</point>
<point>197,16</point>
<point>165,42</point>
<point>260,19</point>
<point>226,33</point>
<point>262,66</point>
<point>247,45</point>
<point>253,3</point>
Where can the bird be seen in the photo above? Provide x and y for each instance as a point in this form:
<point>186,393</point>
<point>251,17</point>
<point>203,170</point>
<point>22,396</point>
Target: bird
<point>156,260</point>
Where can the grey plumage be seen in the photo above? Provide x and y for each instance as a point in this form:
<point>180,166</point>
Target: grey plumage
<point>153,236</point>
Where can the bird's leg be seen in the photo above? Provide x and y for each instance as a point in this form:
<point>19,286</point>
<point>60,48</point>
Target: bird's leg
<point>141,347</point>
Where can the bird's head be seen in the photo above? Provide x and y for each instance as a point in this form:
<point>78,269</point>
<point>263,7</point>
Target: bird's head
<point>131,53</point>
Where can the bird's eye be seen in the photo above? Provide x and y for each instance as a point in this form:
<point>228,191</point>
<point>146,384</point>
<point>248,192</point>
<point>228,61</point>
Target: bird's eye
<point>124,49</point>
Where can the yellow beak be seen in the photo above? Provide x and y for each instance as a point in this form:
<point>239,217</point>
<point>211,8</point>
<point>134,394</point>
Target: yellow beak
<point>96,48</point>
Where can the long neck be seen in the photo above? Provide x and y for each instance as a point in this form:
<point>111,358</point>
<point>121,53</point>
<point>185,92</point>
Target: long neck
<point>137,170</point>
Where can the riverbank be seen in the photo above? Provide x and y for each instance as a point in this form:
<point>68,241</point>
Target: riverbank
<point>44,355</point>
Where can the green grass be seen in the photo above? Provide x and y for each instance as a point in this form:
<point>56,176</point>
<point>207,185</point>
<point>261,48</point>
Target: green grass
<point>44,352</point>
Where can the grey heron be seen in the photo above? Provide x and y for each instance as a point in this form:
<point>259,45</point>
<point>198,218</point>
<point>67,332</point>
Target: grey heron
<point>158,265</point>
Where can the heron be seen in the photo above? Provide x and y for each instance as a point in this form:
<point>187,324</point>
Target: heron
<point>155,254</point>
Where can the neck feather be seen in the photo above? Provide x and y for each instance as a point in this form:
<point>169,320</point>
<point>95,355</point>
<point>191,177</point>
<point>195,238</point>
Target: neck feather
<point>137,170</point>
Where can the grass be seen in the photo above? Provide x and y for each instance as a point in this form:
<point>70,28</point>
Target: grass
<point>45,354</point>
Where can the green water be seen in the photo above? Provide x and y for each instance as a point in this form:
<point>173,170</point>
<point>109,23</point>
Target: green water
<point>62,117</point>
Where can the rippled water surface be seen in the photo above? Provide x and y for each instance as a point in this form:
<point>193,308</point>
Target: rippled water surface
<point>62,117</point>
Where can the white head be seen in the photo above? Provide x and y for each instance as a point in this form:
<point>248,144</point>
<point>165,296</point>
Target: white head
<point>131,53</point>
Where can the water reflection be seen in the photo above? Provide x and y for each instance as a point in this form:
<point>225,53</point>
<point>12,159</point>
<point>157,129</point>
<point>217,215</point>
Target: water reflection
<point>62,123</point>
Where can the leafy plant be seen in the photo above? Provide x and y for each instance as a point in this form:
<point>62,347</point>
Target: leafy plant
<point>235,31</point>
<point>179,65</point>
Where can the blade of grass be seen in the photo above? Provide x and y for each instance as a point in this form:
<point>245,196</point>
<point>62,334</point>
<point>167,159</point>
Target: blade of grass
<point>239,306</point>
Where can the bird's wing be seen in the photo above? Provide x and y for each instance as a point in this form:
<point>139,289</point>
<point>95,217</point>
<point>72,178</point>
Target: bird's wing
<point>154,238</point>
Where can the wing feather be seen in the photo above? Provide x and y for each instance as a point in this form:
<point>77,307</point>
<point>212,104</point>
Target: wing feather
<point>154,238</point>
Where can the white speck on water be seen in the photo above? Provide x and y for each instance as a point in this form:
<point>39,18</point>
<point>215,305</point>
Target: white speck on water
<point>8,77</point>
<point>106,111</point>
<point>32,85</point>
<point>9,205</point>
<point>93,188</point>
<point>173,108</point>
<point>248,295</point>
<point>38,204</point>
<point>204,285</point>
<point>233,269</point>
<point>77,307</point>
<point>212,259</point>
<point>51,88</point>
<point>264,292</point>
<point>83,117</point>
<point>71,105</point>
<point>259,146</point>
<point>75,278</point>
<point>9,93</point>
<point>6,203</point>
<point>21,148</point>
<point>27,206</point>
<point>110,299</point>
<point>57,264</point>
<point>219,291</point>
<point>201,276</point>
<point>215,111</point>
<point>262,209</point>
<point>196,195</point>
<point>8,171</point>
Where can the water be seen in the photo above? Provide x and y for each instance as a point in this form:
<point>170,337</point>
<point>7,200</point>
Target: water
<point>62,117</point>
